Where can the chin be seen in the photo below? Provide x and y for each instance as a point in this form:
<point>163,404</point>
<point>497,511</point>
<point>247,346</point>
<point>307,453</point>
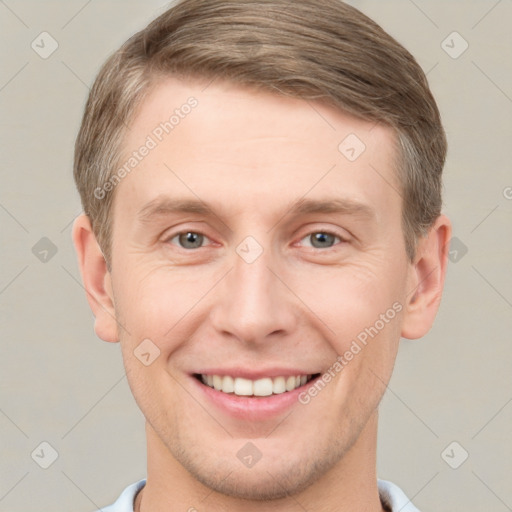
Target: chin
<point>259,485</point>
<point>271,479</point>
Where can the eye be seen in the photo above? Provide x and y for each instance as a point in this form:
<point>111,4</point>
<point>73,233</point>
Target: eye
<point>321,239</point>
<point>188,240</point>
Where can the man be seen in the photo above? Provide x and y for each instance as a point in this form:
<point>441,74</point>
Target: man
<point>261,186</point>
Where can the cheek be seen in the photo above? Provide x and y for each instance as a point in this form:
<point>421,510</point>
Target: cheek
<point>348,299</point>
<point>159,310</point>
<point>152,306</point>
<point>153,303</point>
<point>359,310</point>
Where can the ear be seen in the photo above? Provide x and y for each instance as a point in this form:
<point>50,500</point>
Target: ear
<point>426,279</point>
<point>96,279</point>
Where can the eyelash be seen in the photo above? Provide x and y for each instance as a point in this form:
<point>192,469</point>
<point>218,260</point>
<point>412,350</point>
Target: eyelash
<point>324,232</point>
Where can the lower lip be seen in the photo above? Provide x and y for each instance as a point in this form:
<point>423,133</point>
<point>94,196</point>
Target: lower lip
<point>252,408</point>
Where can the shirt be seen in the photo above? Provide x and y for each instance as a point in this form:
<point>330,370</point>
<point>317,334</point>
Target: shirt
<point>391,496</point>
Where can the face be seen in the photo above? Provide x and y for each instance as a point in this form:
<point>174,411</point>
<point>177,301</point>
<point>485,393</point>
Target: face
<point>249,250</point>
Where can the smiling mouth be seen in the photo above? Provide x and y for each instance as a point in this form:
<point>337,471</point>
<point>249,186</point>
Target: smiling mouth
<point>256,388</point>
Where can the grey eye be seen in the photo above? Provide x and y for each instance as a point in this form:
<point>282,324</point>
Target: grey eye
<point>189,240</point>
<point>321,240</point>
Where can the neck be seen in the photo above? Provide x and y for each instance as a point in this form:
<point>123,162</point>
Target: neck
<point>350,485</point>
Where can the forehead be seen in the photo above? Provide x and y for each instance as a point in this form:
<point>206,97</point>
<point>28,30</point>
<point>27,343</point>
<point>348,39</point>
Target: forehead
<point>241,148</point>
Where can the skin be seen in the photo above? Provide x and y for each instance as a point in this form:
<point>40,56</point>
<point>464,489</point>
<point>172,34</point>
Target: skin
<point>250,155</point>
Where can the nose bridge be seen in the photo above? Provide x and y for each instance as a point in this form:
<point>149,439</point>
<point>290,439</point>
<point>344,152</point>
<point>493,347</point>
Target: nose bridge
<point>253,303</point>
<point>251,283</point>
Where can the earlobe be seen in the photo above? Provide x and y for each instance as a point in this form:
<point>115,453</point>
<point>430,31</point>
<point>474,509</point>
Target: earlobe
<point>96,279</point>
<point>426,280</point>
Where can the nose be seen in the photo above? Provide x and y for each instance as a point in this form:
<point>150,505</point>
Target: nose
<point>252,303</point>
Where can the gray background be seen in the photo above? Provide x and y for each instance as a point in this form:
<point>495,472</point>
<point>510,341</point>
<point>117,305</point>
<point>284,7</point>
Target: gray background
<point>59,384</point>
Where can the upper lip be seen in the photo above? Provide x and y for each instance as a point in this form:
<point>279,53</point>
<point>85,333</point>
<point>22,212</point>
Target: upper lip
<point>255,374</point>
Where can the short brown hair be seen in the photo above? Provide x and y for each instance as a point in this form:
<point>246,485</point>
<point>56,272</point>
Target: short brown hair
<point>310,49</point>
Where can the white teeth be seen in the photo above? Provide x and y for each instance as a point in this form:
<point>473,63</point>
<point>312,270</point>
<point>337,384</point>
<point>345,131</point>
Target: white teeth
<point>217,382</point>
<point>243,387</point>
<point>260,387</point>
<point>290,383</point>
<point>228,384</point>
<point>278,385</point>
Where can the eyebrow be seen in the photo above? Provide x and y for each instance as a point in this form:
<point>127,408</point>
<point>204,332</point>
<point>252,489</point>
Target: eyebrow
<point>163,205</point>
<point>334,205</point>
